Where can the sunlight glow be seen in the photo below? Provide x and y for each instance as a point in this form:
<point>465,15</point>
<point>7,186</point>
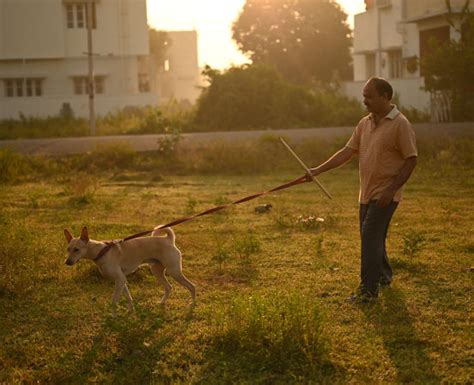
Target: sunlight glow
<point>213,21</point>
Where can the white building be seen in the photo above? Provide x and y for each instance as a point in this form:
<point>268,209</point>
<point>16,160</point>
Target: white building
<point>43,56</point>
<point>391,38</point>
<point>179,78</point>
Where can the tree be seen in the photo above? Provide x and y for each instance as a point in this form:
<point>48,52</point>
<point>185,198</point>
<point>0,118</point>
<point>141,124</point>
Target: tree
<point>251,96</point>
<point>307,41</point>
<point>256,96</point>
<point>449,68</point>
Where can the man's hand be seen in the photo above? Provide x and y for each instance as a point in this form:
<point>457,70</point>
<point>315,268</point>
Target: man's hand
<point>386,198</point>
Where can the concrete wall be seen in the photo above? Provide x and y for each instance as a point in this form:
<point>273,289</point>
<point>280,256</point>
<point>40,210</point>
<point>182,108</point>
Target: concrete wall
<point>409,92</point>
<point>35,42</point>
<point>416,9</point>
<point>58,86</point>
<point>26,30</point>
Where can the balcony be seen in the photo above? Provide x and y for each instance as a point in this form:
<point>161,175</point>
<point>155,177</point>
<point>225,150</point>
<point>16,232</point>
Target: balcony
<point>426,9</point>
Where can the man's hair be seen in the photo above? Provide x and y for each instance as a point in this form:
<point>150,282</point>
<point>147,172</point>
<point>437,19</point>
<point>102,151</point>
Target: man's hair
<point>382,86</point>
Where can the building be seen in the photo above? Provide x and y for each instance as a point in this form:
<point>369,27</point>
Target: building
<point>179,77</point>
<point>44,56</point>
<point>390,39</point>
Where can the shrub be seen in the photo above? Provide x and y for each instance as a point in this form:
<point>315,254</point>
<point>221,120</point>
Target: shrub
<point>413,243</point>
<point>13,166</point>
<point>247,245</point>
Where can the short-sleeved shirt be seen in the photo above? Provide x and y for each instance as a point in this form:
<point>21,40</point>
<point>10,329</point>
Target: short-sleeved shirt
<point>382,150</point>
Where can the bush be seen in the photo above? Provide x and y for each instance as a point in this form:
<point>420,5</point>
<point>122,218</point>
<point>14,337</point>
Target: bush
<point>13,166</point>
<point>256,97</point>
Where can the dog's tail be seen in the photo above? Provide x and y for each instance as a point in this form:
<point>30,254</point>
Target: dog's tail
<point>167,230</point>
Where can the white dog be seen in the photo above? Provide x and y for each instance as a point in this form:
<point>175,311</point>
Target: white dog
<point>124,258</point>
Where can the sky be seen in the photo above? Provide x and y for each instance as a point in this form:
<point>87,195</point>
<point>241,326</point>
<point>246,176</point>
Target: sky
<point>213,21</point>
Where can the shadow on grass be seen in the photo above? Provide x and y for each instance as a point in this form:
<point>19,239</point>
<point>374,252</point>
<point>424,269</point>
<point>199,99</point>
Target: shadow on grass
<point>123,351</point>
<point>411,266</point>
<point>268,340</point>
<point>408,353</point>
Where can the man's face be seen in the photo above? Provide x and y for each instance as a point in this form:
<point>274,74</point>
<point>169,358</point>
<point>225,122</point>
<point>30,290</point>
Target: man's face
<point>373,101</point>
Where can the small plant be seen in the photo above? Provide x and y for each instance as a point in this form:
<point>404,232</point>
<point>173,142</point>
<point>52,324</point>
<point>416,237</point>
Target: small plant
<point>247,246</point>
<point>282,219</point>
<point>82,188</point>
<point>318,247</point>
<point>13,166</point>
<point>413,243</point>
<point>191,204</point>
<point>34,202</point>
<point>168,144</point>
<point>220,256</point>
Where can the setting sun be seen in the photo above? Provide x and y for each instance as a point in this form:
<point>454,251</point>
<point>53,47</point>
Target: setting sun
<point>213,20</point>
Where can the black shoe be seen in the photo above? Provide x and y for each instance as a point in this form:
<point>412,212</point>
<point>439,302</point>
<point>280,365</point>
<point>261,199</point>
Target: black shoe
<point>363,298</point>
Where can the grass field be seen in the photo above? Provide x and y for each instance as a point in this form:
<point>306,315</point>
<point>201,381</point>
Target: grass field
<point>271,287</point>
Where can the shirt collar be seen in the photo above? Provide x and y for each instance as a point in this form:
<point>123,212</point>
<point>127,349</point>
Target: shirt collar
<point>391,115</point>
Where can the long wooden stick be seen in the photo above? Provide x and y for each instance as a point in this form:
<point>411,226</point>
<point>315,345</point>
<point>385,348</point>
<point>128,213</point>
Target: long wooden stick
<point>308,171</point>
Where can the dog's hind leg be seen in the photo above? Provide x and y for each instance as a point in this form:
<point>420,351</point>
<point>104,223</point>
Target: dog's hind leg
<point>178,275</point>
<point>158,271</point>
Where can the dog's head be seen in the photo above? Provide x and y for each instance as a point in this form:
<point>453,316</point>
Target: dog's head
<point>77,247</point>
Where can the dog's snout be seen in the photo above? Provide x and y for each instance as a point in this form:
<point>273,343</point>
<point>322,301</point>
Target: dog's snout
<point>68,262</point>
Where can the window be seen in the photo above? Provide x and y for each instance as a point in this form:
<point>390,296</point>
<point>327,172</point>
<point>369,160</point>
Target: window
<point>395,64</point>
<point>77,16</point>
<point>81,85</point>
<point>143,83</point>
<point>99,84</point>
<point>23,87</point>
<point>370,65</point>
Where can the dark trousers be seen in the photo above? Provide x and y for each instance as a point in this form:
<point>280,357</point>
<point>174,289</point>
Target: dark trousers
<point>375,266</point>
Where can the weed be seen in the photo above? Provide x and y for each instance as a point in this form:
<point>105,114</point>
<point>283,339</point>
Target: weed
<point>13,166</point>
<point>413,243</point>
<point>277,335</point>
<point>190,206</point>
<point>82,188</point>
<point>220,256</point>
<point>19,271</point>
<point>282,218</point>
<point>246,246</point>
<point>318,248</point>
<point>168,144</point>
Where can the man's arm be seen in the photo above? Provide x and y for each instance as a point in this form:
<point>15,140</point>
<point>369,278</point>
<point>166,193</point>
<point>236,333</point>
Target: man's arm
<point>338,159</point>
<point>400,180</point>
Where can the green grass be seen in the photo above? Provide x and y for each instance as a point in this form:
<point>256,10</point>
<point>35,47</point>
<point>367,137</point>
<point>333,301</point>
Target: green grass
<point>271,288</point>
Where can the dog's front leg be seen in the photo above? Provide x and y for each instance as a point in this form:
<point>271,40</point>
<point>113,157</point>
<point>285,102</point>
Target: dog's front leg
<point>120,283</point>
<point>131,307</point>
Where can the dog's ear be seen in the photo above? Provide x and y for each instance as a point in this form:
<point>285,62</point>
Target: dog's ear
<point>68,235</point>
<point>84,235</point>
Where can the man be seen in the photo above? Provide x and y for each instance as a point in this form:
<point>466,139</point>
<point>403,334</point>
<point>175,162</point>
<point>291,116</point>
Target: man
<point>385,144</point>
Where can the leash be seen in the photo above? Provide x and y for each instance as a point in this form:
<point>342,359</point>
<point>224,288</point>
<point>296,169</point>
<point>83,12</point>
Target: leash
<point>110,244</point>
